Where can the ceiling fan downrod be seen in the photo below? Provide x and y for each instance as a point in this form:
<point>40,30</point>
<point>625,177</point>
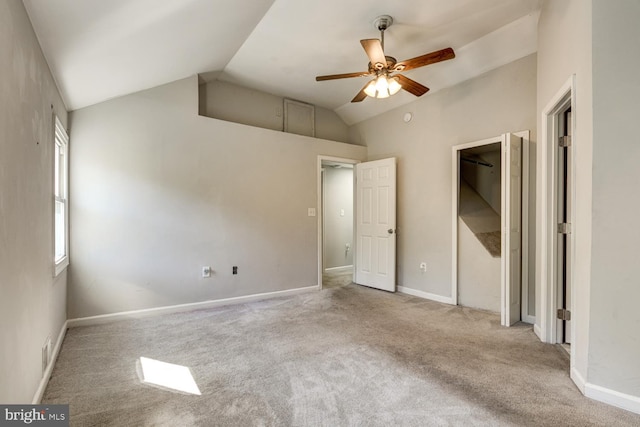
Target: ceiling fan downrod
<point>381,23</point>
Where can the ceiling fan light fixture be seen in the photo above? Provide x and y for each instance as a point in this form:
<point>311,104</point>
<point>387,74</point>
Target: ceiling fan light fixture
<point>394,86</point>
<point>382,87</point>
<point>370,89</point>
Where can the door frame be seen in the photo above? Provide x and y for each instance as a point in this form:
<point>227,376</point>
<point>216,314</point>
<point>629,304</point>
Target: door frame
<point>548,210</point>
<point>455,194</point>
<point>320,213</point>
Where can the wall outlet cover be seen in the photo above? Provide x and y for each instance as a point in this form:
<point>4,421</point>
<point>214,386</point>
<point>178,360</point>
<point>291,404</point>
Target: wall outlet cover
<point>206,271</point>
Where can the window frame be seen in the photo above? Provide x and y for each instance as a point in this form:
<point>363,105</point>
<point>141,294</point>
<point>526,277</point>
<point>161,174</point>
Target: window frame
<point>60,194</point>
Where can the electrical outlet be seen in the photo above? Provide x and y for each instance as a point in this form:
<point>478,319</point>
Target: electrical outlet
<point>206,271</point>
<point>423,267</point>
<point>235,269</point>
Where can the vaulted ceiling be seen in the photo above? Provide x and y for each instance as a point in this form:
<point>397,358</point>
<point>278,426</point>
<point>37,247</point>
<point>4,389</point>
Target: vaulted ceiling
<point>102,49</point>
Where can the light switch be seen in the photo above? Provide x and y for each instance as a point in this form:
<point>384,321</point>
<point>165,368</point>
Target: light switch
<point>311,212</point>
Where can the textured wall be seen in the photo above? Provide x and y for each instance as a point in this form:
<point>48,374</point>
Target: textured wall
<point>614,343</point>
<point>564,49</point>
<point>159,191</point>
<point>226,101</point>
<point>32,302</point>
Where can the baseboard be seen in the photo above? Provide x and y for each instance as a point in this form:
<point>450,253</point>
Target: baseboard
<point>537,331</point>
<point>578,379</point>
<point>529,319</point>
<point>612,397</point>
<point>37,398</point>
<point>344,268</point>
<point>605,395</point>
<point>425,295</point>
<point>136,314</point>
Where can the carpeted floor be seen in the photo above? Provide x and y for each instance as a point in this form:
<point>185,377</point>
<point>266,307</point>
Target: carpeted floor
<point>334,279</point>
<point>344,356</point>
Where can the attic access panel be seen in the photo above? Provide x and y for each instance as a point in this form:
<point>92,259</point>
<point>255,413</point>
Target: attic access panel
<point>299,118</point>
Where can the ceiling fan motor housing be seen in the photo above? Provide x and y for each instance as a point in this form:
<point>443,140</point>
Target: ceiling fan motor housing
<point>391,62</point>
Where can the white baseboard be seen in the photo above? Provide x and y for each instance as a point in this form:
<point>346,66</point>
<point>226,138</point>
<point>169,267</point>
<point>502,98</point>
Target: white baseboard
<point>136,314</point>
<point>537,331</point>
<point>612,397</point>
<point>341,268</point>
<point>37,398</point>
<point>578,379</point>
<point>425,295</point>
<point>605,395</point>
<point>529,319</point>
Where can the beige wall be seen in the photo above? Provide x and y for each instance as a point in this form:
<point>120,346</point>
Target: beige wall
<point>593,40</point>
<point>564,49</point>
<point>227,101</point>
<point>499,101</point>
<point>32,302</point>
<point>614,343</point>
<point>159,191</point>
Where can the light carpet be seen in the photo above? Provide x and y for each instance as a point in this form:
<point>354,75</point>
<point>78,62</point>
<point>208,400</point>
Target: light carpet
<point>344,356</point>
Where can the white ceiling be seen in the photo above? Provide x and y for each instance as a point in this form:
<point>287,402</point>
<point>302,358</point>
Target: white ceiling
<point>101,49</point>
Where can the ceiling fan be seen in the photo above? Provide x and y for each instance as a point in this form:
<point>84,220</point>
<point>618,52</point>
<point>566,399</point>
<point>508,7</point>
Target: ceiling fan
<point>385,69</point>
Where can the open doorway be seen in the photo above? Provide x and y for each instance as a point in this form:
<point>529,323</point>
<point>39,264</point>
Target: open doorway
<point>479,227</point>
<point>490,226</point>
<point>336,220</point>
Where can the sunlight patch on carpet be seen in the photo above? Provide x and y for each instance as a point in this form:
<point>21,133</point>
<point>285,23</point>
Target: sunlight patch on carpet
<point>168,376</point>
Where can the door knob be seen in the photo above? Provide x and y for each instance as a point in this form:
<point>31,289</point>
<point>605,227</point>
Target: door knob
<point>390,231</point>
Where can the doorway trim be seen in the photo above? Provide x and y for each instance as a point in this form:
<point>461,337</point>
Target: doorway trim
<point>455,194</point>
<point>320,209</point>
<point>560,102</point>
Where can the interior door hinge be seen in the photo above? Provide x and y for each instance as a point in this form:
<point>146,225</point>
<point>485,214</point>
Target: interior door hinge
<point>564,141</point>
<point>564,228</point>
<point>564,314</point>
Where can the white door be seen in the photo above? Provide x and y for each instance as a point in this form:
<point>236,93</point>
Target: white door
<point>511,228</point>
<point>376,224</point>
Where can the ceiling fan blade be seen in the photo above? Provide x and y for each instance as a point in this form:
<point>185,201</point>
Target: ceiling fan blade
<point>341,76</point>
<point>361,95</point>
<point>373,47</point>
<point>429,58</point>
<point>411,86</point>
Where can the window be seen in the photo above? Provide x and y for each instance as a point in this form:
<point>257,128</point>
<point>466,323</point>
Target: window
<point>61,201</point>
